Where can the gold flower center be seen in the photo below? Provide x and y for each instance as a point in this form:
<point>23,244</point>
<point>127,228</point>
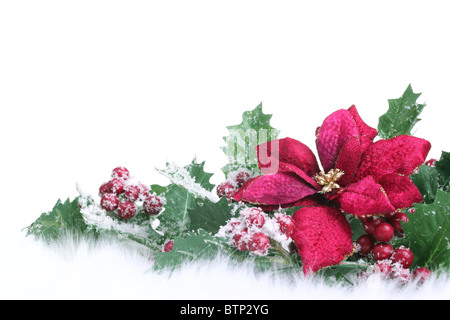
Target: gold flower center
<point>328,180</point>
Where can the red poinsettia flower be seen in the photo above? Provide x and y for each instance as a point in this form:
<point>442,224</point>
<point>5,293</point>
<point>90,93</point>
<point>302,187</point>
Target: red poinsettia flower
<point>360,177</point>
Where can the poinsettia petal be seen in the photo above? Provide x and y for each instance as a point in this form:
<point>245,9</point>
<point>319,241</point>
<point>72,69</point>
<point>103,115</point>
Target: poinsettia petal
<point>273,154</point>
<point>400,190</point>
<point>366,133</point>
<point>274,189</point>
<point>323,237</point>
<point>364,129</point>
<point>334,132</point>
<point>401,154</point>
<point>348,160</point>
<point>365,198</point>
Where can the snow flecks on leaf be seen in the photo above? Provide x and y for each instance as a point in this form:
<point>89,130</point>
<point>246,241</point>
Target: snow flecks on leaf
<point>243,138</point>
<point>192,178</point>
<point>402,115</point>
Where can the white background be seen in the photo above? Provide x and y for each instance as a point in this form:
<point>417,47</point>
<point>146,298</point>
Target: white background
<point>86,86</point>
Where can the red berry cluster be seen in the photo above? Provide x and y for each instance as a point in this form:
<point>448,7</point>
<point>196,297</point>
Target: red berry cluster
<point>253,230</point>
<point>234,182</point>
<point>375,244</point>
<point>124,197</point>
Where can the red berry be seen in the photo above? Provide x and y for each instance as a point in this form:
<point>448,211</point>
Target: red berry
<point>255,218</point>
<point>259,244</point>
<point>242,177</point>
<point>396,222</point>
<point>384,267</point>
<point>365,244</point>
<point>412,210</point>
<point>143,189</point>
<point>153,205</point>
<point>120,173</point>
<point>403,256</point>
<point>382,251</point>
<point>226,189</point>
<point>422,274</point>
<point>109,202</point>
<point>116,186</point>
<point>431,162</point>
<point>104,188</point>
<point>168,246</point>
<point>132,192</point>
<point>383,232</point>
<point>286,224</point>
<point>126,210</point>
<point>240,240</point>
<point>370,223</point>
<point>233,224</point>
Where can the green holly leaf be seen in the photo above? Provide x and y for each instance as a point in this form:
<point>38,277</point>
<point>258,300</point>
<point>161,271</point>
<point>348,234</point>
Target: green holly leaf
<point>401,116</point>
<point>428,233</point>
<point>210,216</point>
<point>191,247</point>
<point>65,218</point>
<point>426,180</point>
<point>443,169</point>
<point>190,184</point>
<point>254,129</point>
<point>430,179</point>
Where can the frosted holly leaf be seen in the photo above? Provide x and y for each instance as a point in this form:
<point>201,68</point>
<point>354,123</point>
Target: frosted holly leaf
<point>65,218</point>
<point>241,145</point>
<point>428,233</point>
<point>402,115</point>
<point>192,177</point>
<point>210,216</point>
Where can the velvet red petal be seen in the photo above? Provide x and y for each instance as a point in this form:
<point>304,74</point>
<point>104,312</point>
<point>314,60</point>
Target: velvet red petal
<point>402,154</point>
<point>334,132</point>
<point>290,152</point>
<point>323,237</point>
<point>365,198</point>
<point>364,130</point>
<point>400,190</point>
<point>274,189</point>
<point>348,160</point>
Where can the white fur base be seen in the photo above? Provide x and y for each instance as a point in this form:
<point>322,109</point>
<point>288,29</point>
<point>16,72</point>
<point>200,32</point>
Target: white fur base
<point>32,270</point>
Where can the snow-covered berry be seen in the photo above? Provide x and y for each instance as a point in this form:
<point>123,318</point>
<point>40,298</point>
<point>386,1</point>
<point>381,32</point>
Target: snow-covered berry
<point>396,222</point>
<point>254,217</point>
<point>242,177</point>
<point>120,173</point>
<point>286,224</point>
<point>226,189</point>
<point>126,210</point>
<point>104,188</point>
<point>259,244</point>
<point>240,240</point>
<point>153,205</point>
<point>383,267</point>
<point>116,186</point>
<point>109,201</point>
<point>421,274</point>
<point>132,192</point>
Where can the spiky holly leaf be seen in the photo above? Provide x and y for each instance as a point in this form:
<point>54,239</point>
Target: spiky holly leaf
<point>189,184</point>
<point>401,116</point>
<point>65,218</point>
<point>428,233</point>
<point>241,145</point>
<point>430,179</point>
<point>210,216</point>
